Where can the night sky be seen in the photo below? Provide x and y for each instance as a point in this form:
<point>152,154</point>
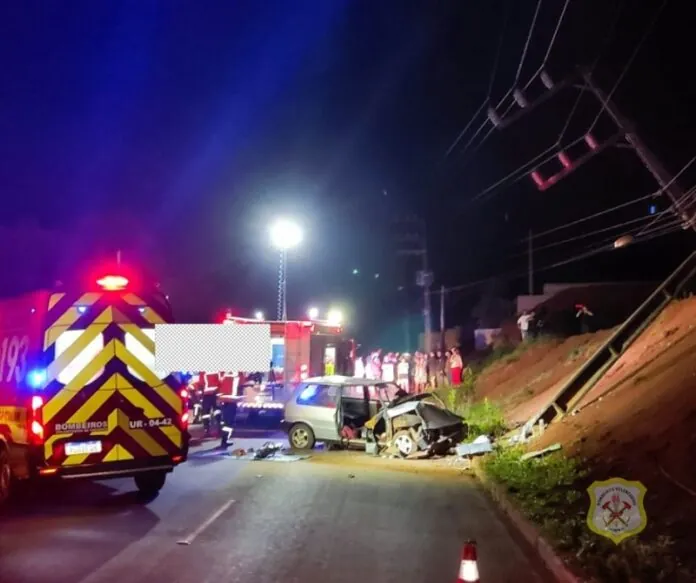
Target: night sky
<point>177,130</point>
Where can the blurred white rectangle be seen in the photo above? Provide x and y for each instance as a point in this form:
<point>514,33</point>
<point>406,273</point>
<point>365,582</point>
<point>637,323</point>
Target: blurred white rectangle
<point>212,347</point>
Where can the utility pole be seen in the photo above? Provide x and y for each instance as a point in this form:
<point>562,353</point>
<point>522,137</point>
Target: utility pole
<point>442,317</point>
<point>413,242</point>
<point>530,274</point>
<point>651,162</point>
<point>626,132</point>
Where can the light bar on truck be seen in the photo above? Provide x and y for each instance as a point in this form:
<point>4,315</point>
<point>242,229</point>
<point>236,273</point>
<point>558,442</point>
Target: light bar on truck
<point>113,282</point>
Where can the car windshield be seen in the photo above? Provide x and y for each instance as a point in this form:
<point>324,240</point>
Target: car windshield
<point>386,392</point>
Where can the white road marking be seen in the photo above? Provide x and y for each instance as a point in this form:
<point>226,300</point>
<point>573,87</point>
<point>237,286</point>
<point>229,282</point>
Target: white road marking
<point>213,517</point>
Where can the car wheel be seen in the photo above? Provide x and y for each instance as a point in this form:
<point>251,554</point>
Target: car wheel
<point>150,483</point>
<point>404,443</point>
<point>5,476</point>
<point>302,437</point>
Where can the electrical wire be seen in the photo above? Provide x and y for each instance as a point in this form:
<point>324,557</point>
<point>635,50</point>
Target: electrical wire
<point>523,170</point>
<point>558,144</point>
<point>487,100</point>
<point>504,97</point>
<point>499,50</point>
<point>592,216</point>
<point>586,235</point>
<point>526,44</point>
<point>628,64</point>
<point>607,40</point>
<point>625,204</point>
<point>550,47</point>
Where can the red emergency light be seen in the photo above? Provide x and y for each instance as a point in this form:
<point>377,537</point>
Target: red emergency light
<point>113,282</point>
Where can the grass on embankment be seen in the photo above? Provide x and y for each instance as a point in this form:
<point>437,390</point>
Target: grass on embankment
<point>551,491</point>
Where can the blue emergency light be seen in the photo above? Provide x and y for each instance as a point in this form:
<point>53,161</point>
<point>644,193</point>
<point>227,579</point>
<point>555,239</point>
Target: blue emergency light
<point>36,378</point>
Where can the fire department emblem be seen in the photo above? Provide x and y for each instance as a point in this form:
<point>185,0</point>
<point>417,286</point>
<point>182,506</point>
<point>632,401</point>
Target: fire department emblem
<point>616,510</point>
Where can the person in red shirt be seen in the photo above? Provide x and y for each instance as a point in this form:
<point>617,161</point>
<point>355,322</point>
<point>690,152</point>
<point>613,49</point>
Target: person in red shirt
<point>456,366</point>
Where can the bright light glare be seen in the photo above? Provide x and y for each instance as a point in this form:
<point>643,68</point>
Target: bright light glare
<point>258,315</point>
<point>313,313</point>
<point>285,234</point>
<point>335,317</point>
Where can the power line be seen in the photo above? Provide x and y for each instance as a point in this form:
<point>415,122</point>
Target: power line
<point>592,216</point>
<point>499,50</point>
<point>503,98</point>
<point>585,235</point>
<point>628,64</point>
<point>550,47</point>
<point>526,44</point>
<point>607,41</point>
<point>522,170</point>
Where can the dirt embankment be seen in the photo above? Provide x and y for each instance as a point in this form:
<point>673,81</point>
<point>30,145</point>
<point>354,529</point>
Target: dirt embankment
<point>523,381</point>
<point>638,422</point>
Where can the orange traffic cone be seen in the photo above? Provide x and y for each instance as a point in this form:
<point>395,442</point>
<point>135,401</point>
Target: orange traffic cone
<point>468,567</point>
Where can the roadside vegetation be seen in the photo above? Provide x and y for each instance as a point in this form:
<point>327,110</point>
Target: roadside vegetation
<point>551,491</point>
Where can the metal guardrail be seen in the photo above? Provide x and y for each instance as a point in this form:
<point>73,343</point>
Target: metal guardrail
<point>575,388</point>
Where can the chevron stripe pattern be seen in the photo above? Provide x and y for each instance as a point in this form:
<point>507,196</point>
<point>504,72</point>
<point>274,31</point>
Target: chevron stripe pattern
<point>109,394</point>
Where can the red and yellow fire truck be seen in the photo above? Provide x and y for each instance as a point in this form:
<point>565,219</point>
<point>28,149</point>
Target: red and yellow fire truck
<point>79,395</point>
<point>300,349</point>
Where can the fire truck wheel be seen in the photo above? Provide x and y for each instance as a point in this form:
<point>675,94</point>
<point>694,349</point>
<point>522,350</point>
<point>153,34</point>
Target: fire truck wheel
<point>5,476</point>
<point>301,436</point>
<point>150,483</point>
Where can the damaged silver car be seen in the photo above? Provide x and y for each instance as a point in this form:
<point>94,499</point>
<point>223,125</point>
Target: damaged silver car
<point>414,426</point>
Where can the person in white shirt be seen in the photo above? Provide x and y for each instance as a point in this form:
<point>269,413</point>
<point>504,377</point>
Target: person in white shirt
<point>523,324</point>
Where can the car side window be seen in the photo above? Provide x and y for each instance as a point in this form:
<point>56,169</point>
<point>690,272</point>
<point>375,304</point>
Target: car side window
<point>318,396</point>
<point>354,392</point>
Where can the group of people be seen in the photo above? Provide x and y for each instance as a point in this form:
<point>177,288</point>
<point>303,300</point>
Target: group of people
<point>413,372</point>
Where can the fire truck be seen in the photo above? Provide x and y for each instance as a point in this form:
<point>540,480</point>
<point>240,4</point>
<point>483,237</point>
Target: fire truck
<point>79,395</point>
<point>299,349</point>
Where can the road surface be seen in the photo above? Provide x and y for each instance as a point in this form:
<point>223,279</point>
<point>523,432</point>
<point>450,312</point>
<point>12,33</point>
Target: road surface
<point>319,520</point>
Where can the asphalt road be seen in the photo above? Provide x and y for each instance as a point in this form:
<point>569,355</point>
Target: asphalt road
<point>320,520</point>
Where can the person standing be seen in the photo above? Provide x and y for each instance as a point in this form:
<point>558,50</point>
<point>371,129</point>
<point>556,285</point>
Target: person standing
<point>523,324</point>
<point>359,370</point>
<point>433,366</point>
<point>456,366</point>
<point>421,372</point>
<point>402,373</point>
<point>388,368</point>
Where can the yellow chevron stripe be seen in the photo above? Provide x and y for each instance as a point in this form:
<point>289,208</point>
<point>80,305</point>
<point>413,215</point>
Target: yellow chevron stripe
<point>114,455</point>
<point>136,398</point>
<point>74,350</point>
<point>175,435</point>
<point>153,317</point>
<point>70,391</point>
<point>60,325</point>
<point>169,395</point>
<point>144,372</point>
<point>133,300</point>
<point>54,299</point>
<point>75,460</point>
<point>89,299</point>
<point>138,334</point>
<point>139,435</point>
<point>84,413</point>
<point>148,444</point>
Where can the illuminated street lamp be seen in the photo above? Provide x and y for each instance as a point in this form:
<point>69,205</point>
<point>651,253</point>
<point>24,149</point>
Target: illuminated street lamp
<point>335,317</point>
<point>284,236</point>
<point>258,315</point>
<point>313,313</point>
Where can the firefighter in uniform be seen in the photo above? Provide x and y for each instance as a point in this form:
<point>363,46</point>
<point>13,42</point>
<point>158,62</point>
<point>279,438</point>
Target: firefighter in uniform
<point>209,401</point>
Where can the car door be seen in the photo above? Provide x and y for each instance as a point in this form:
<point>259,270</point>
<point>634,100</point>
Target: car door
<point>319,406</point>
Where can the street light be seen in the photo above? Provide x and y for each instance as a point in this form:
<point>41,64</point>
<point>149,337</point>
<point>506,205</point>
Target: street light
<point>258,315</point>
<point>285,235</point>
<point>335,317</point>
<point>313,313</point>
